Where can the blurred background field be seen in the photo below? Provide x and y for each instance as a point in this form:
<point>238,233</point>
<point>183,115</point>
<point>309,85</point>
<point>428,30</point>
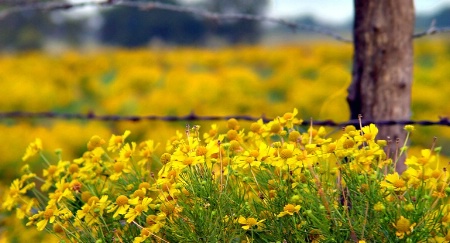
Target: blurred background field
<point>239,80</point>
<point>81,63</point>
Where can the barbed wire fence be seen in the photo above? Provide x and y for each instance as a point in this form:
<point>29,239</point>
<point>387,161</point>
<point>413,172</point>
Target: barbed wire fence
<point>442,121</point>
<point>9,7</point>
<point>13,7</point>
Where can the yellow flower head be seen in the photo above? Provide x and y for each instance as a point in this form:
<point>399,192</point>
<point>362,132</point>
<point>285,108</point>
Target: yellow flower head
<point>394,182</point>
<point>289,119</point>
<point>145,233</point>
<point>379,207</point>
<point>233,124</point>
<point>248,223</point>
<point>94,142</point>
<point>122,204</point>
<point>370,132</point>
<point>127,151</point>
<point>409,128</point>
<point>116,142</point>
<point>138,210</point>
<point>404,227</point>
<point>33,149</point>
<point>426,158</point>
<point>50,215</point>
<point>289,209</point>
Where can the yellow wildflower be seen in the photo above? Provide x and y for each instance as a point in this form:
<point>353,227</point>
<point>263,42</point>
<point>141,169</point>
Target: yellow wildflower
<point>16,190</point>
<point>257,127</point>
<point>233,124</point>
<point>369,133</point>
<point>127,151</point>
<point>182,160</point>
<point>350,130</point>
<point>393,182</point>
<point>211,134</point>
<point>93,209</point>
<point>275,127</point>
<point>294,136</point>
<point>50,214</point>
<point>245,161</point>
<point>248,223</point>
<point>287,156</point>
<point>58,195</point>
<point>116,142</point>
<point>379,207</point>
<point>120,167</point>
<point>122,204</point>
<point>409,207</point>
<point>33,149</point>
<point>409,128</point>
<point>145,233</point>
<point>422,161</point>
<point>156,222</point>
<point>289,119</point>
<point>53,172</point>
<point>404,227</point>
<point>289,209</point>
<point>146,150</point>
<point>138,209</point>
<point>144,186</point>
<point>95,142</point>
<point>25,209</point>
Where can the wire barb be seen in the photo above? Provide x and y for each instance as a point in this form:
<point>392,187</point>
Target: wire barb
<point>432,30</point>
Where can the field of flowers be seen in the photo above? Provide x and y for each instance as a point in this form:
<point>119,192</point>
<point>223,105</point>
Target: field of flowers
<point>311,77</point>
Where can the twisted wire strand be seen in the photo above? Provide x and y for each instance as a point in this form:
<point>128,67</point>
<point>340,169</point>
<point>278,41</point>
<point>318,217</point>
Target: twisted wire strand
<point>443,121</point>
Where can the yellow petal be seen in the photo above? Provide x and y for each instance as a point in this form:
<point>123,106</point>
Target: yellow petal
<point>246,227</point>
<point>41,224</point>
<point>242,220</point>
<point>426,153</point>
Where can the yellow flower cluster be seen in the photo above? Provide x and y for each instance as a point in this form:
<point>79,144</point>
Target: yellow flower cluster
<point>268,181</point>
<point>242,80</point>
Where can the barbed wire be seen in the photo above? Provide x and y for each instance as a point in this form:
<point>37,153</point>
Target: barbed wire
<point>146,6</point>
<point>443,121</point>
<point>432,30</point>
<point>30,5</point>
<point>18,6</point>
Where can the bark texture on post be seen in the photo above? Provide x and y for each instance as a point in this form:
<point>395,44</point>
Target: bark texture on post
<point>383,64</point>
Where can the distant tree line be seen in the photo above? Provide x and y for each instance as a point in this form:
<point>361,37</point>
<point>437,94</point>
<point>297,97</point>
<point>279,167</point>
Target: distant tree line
<point>131,27</point>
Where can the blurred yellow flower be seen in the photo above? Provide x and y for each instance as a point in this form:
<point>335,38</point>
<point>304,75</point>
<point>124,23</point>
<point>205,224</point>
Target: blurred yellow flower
<point>122,204</point>
<point>116,141</point>
<point>50,214</point>
<point>409,128</point>
<point>249,223</point>
<point>17,189</point>
<point>289,119</point>
<point>289,209</point>
<point>404,227</point>
<point>369,133</point>
<point>426,158</point>
<point>393,182</point>
<point>138,209</point>
<point>33,149</point>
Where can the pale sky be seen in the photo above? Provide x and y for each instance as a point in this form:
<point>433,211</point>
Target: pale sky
<point>336,11</point>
